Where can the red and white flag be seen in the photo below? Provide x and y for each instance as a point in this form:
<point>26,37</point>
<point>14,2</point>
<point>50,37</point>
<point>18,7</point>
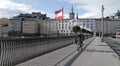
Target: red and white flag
<point>59,14</point>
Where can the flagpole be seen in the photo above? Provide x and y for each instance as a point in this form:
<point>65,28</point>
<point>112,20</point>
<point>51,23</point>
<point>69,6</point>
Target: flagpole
<point>62,21</point>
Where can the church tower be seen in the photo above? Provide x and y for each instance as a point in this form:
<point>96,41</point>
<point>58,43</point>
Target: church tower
<point>71,14</point>
<point>77,16</point>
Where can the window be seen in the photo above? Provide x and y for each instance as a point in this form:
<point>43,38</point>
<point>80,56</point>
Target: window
<point>69,27</point>
<point>74,21</point>
<point>62,27</point>
<point>91,24</point>
<point>65,24</point>
<point>59,27</point>
<point>65,27</point>
<point>87,25</point>
<point>83,24</point>
<point>67,31</point>
<point>91,27</point>
<point>59,24</point>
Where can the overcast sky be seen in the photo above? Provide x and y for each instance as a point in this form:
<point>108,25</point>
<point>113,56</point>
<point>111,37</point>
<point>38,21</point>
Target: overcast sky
<point>85,8</point>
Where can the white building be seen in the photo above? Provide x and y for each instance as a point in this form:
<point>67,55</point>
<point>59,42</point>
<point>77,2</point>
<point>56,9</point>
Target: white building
<point>65,26</point>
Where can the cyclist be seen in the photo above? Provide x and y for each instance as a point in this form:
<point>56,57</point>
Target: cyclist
<point>80,39</point>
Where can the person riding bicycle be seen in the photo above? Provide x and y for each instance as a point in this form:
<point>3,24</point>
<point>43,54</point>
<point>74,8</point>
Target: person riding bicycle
<point>80,40</point>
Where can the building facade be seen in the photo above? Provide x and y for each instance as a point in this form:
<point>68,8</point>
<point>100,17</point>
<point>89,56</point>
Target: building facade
<point>110,26</point>
<point>65,26</point>
<point>5,31</point>
<point>15,26</point>
<point>36,15</point>
<point>4,27</point>
<point>48,27</point>
<point>30,27</point>
<point>113,26</point>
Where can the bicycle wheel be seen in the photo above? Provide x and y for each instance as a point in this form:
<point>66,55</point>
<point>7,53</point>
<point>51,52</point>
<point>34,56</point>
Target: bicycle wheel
<point>78,46</point>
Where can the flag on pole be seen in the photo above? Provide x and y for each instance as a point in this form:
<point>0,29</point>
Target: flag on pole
<point>59,14</point>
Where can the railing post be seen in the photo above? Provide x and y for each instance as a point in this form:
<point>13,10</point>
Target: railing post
<point>2,53</point>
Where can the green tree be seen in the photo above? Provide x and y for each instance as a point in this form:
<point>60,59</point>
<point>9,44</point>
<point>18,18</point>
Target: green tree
<point>76,29</point>
<point>83,30</point>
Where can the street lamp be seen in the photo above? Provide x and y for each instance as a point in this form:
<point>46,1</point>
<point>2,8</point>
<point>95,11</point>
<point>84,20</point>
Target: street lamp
<point>102,24</point>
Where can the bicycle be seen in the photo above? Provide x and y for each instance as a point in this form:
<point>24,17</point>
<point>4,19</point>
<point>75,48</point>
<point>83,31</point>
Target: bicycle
<point>79,45</point>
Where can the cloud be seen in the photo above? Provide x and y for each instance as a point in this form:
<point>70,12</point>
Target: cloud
<point>86,15</point>
<point>8,8</point>
<point>93,7</point>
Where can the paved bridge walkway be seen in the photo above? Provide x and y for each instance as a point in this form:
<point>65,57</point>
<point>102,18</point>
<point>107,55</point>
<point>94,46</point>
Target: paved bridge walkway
<point>95,53</point>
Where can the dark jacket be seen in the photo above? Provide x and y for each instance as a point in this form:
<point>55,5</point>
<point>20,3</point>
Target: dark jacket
<point>81,37</point>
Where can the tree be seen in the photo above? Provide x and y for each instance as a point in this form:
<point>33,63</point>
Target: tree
<point>76,29</point>
<point>84,30</point>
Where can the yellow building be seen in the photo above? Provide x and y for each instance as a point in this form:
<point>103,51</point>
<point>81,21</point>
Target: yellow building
<point>3,26</point>
<point>4,21</point>
<point>30,27</point>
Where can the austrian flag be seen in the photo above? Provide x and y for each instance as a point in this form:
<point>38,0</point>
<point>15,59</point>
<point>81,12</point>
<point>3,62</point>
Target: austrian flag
<point>59,14</point>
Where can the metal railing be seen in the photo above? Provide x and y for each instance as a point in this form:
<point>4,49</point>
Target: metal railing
<point>115,45</point>
<point>17,50</point>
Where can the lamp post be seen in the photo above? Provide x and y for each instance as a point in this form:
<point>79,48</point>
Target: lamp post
<point>102,24</point>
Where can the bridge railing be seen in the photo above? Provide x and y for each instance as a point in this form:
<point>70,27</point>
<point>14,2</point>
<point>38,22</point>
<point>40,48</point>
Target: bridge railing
<point>17,50</point>
<point>114,44</point>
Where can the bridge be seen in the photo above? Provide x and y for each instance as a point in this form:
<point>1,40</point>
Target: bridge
<point>57,51</point>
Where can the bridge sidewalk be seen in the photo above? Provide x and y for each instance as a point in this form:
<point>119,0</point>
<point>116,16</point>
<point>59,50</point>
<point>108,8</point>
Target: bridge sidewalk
<point>96,54</point>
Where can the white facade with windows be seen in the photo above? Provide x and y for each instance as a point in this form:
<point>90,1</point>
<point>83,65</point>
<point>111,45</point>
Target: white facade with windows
<point>65,26</point>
